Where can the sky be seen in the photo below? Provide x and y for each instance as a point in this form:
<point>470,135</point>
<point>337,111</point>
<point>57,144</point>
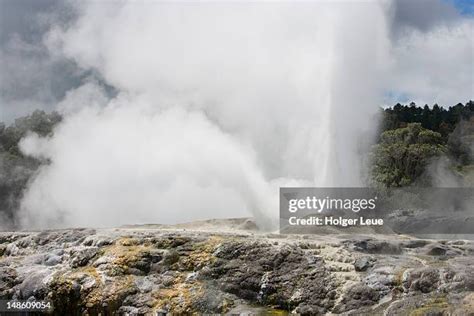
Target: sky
<point>464,6</point>
<point>432,54</point>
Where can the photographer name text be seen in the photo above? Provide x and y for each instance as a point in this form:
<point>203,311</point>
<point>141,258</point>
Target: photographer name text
<point>335,221</point>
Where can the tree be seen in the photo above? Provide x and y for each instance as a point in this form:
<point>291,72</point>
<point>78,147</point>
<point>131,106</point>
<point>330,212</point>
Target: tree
<point>403,154</point>
<point>436,118</point>
<point>425,117</point>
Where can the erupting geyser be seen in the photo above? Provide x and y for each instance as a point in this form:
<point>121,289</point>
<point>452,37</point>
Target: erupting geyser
<point>217,105</point>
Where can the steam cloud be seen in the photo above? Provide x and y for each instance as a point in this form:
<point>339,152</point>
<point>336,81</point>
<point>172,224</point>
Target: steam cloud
<point>217,106</point>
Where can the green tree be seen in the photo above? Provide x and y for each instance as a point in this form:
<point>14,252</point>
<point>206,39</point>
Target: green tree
<point>403,154</point>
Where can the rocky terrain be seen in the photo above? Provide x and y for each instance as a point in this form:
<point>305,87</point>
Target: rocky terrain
<point>229,267</point>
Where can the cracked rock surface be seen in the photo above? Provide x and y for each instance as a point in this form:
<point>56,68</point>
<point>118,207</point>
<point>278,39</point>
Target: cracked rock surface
<point>151,270</point>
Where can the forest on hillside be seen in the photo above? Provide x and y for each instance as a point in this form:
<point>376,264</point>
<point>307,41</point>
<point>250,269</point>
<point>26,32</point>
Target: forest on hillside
<point>410,140</point>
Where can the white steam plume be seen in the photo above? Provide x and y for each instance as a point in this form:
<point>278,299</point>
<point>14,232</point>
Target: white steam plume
<point>218,104</point>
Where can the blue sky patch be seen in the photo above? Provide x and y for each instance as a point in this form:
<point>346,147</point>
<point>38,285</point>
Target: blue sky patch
<point>466,7</point>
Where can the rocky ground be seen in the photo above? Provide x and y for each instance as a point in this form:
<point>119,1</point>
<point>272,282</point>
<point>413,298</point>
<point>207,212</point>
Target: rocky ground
<point>149,270</point>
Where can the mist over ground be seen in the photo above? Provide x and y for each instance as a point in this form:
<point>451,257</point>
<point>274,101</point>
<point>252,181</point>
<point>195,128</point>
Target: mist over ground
<point>189,111</point>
